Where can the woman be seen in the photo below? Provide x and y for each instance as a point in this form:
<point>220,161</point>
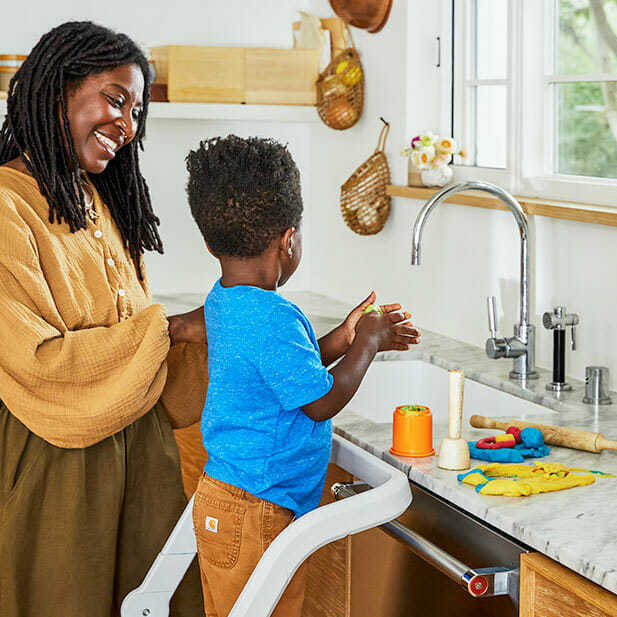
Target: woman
<point>89,469</point>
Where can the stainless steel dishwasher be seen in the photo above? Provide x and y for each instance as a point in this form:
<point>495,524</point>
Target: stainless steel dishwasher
<point>435,560</point>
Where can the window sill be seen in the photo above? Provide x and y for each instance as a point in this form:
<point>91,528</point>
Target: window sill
<point>583,213</point>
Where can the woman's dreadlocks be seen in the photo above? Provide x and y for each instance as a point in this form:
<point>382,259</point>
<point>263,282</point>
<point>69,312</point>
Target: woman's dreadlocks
<point>63,58</point>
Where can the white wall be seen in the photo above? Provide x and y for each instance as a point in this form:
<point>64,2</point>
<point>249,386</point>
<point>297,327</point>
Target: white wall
<point>468,253</point>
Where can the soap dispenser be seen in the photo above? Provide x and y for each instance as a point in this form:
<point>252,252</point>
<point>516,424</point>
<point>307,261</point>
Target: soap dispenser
<point>558,321</point>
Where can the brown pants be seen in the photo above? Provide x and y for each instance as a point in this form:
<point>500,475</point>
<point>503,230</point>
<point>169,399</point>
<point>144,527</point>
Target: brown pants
<point>79,528</point>
<point>233,530</point>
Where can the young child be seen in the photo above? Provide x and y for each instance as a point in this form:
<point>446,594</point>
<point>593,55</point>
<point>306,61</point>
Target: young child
<point>266,422</point>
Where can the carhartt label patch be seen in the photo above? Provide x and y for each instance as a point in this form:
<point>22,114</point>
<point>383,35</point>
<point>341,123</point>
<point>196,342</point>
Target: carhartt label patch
<point>212,524</point>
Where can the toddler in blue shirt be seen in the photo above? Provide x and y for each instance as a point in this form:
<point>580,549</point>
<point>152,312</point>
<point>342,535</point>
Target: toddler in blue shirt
<point>266,422</point>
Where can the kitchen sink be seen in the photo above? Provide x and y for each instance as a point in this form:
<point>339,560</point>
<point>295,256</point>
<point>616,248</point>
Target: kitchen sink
<point>391,383</point>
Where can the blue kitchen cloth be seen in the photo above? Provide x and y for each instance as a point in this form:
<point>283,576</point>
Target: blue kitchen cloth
<point>517,454</point>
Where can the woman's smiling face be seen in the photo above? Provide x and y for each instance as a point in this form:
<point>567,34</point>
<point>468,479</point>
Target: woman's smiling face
<point>104,113</point>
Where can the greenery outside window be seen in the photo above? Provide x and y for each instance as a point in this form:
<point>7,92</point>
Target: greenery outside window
<point>534,95</point>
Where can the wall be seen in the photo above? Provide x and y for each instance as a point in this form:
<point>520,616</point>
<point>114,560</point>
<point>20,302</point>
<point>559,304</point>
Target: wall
<point>467,254</point>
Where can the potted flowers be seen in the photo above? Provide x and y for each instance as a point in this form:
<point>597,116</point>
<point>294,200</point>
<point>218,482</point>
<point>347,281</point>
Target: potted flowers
<point>429,157</point>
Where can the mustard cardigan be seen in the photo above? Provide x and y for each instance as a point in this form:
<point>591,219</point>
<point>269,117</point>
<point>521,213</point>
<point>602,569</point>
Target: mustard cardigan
<point>82,348</point>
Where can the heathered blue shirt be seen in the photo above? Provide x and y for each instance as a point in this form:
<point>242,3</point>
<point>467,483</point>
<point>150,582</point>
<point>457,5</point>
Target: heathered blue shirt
<point>264,364</point>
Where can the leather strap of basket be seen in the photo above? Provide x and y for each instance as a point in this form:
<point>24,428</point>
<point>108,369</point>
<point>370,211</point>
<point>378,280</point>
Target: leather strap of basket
<point>383,135</point>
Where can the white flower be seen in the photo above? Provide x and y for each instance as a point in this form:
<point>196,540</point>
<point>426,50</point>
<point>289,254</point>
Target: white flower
<point>422,159</point>
<point>441,159</point>
<point>446,145</point>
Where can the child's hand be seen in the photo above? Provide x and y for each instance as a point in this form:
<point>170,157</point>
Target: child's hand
<point>392,330</point>
<point>353,318</point>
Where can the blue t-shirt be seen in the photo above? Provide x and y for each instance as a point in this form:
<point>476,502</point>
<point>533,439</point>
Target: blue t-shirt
<point>264,364</point>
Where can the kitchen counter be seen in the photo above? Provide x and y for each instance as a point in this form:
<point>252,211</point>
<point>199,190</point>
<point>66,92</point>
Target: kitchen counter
<point>576,527</point>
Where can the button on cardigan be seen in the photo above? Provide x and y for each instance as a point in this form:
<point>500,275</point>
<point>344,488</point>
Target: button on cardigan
<point>83,351</point>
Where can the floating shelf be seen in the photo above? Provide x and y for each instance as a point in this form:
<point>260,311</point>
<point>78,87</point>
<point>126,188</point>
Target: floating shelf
<point>583,213</point>
<point>231,111</point>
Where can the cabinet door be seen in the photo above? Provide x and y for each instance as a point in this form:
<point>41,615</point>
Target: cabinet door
<point>548,589</point>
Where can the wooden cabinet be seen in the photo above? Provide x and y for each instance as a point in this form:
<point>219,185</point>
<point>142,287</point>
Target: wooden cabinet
<point>549,589</point>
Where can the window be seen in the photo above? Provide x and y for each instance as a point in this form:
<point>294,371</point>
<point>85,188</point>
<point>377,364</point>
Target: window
<point>534,95</point>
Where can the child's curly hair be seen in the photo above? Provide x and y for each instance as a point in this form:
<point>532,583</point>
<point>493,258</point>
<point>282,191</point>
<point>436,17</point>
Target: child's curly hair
<point>243,193</point>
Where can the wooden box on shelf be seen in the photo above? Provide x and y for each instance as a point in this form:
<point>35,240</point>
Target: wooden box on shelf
<point>237,74</point>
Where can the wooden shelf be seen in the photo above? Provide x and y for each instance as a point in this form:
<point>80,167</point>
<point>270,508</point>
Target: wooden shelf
<point>583,213</point>
<point>218,111</point>
<point>234,111</point>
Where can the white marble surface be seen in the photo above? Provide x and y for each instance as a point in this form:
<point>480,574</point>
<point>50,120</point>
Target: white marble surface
<point>576,527</point>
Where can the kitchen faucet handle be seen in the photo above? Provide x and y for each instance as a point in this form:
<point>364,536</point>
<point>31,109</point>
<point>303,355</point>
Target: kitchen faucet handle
<point>492,316</point>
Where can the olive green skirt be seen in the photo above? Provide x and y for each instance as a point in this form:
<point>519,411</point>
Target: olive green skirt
<point>79,528</point>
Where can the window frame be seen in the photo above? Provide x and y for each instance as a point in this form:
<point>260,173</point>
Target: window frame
<point>530,137</point>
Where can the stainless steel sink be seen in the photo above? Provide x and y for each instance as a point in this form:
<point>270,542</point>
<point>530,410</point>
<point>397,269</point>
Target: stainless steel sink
<point>391,383</point>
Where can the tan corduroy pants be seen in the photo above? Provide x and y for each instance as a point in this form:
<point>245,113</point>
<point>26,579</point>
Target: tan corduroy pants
<point>233,530</point>
<point>79,528</point>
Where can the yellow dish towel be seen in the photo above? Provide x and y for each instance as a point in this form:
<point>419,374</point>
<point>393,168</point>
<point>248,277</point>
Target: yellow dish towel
<point>519,480</point>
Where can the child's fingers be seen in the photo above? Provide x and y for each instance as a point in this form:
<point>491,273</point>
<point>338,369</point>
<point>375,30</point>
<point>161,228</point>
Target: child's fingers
<point>397,317</point>
<point>367,301</point>
<point>400,347</point>
<point>407,330</point>
<point>407,340</point>
<point>390,308</point>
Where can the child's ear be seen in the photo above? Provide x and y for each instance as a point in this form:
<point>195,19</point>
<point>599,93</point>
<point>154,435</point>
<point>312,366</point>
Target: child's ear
<point>287,241</point>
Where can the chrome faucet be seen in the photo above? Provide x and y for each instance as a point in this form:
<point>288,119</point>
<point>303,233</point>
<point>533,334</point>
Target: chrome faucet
<point>522,346</point>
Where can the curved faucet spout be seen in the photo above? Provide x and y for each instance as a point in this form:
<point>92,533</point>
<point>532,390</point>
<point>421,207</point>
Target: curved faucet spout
<point>514,207</point>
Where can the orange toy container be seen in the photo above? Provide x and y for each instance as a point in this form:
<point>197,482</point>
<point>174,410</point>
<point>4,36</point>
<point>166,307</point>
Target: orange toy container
<point>412,431</point>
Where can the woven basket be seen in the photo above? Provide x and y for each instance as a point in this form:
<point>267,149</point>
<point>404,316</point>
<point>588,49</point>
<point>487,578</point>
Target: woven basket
<point>364,203</point>
<point>340,90</point>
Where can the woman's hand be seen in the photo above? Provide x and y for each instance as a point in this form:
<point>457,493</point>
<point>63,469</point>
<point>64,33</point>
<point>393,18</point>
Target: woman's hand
<point>188,327</point>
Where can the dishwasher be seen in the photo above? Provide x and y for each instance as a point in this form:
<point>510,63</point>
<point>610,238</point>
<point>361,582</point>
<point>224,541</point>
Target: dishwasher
<point>434,560</point>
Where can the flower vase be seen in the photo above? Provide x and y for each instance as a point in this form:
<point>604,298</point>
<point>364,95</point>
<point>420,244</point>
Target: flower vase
<point>439,176</point>
<point>414,175</point>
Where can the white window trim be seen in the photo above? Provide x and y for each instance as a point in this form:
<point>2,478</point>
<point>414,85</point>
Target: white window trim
<point>529,137</point>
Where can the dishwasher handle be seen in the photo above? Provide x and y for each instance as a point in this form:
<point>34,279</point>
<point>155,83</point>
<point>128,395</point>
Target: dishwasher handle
<point>479,582</point>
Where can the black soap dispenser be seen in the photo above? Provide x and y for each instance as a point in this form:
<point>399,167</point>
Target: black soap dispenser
<point>558,321</point>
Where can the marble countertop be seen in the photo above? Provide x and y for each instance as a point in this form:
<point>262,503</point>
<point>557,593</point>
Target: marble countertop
<point>576,527</point>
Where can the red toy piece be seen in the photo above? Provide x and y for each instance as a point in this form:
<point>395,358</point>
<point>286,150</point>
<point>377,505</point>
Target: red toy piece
<point>516,432</point>
<point>493,443</point>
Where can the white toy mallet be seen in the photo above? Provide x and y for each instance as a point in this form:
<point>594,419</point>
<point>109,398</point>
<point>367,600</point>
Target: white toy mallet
<point>454,451</point>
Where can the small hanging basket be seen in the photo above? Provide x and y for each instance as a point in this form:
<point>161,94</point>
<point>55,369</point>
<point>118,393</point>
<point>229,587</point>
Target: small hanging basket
<point>364,203</point>
<point>340,89</point>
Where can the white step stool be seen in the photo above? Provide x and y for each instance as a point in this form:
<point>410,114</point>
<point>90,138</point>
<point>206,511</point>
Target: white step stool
<point>388,498</point>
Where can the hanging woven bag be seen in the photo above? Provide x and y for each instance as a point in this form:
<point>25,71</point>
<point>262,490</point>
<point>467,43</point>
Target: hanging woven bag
<point>364,202</point>
<point>340,89</point>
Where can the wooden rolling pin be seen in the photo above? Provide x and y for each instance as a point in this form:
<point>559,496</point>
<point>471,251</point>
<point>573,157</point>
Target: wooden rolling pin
<point>553,435</point>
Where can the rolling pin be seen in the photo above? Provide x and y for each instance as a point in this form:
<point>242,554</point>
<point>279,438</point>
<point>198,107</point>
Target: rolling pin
<point>553,435</point>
